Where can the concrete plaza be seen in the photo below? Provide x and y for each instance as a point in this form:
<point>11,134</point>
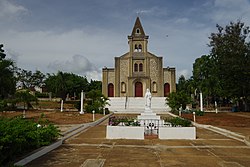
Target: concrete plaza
<point>91,148</point>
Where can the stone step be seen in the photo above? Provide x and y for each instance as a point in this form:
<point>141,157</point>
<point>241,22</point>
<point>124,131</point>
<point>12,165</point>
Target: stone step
<point>136,104</point>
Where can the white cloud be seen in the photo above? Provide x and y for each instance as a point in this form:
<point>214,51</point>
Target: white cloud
<point>181,20</point>
<point>231,4</point>
<point>40,49</point>
<point>185,72</point>
<point>100,40</point>
<point>154,11</point>
<point>78,64</point>
<point>13,55</point>
<point>230,10</point>
<point>9,10</point>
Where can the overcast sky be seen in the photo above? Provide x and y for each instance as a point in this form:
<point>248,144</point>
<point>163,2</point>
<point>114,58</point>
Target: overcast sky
<point>83,36</point>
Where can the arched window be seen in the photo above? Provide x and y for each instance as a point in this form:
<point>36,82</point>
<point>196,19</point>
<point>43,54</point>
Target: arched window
<point>140,48</point>
<point>123,87</point>
<point>137,31</point>
<point>140,67</point>
<point>136,48</point>
<point>135,67</point>
<point>154,87</point>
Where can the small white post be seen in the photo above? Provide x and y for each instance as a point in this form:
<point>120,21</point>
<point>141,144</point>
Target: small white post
<point>61,105</point>
<point>201,102</point>
<point>180,110</point>
<point>103,111</point>
<point>194,116</point>
<point>81,112</point>
<point>215,104</point>
<point>24,114</point>
<point>93,115</point>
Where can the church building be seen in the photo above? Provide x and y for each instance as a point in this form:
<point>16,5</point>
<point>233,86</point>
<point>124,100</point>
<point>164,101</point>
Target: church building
<point>137,70</point>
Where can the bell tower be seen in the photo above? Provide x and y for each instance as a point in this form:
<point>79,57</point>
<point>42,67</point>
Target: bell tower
<point>138,70</point>
<point>138,40</point>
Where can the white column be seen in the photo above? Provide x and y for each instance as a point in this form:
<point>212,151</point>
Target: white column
<point>61,105</point>
<point>93,115</point>
<point>201,102</point>
<point>81,112</point>
<point>194,117</point>
<point>24,114</point>
<point>215,104</point>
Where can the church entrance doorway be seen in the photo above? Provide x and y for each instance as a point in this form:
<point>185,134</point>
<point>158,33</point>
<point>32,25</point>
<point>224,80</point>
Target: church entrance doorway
<point>110,90</point>
<point>138,89</point>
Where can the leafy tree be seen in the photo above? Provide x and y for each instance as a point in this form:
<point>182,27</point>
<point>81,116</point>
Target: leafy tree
<point>230,51</point>
<point>25,97</point>
<point>97,101</point>
<point>182,84</point>
<point>62,84</point>
<point>2,54</point>
<point>37,79</point>
<point>186,86</point>
<point>205,78</point>
<point>7,79</point>
<point>175,100</point>
<point>56,84</point>
<point>27,79</point>
<point>95,85</point>
<point>23,78</point>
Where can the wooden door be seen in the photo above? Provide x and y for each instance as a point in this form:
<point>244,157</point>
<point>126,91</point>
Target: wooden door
<point>138,89</point>
<point>110,90</point>
<point>166,89</point>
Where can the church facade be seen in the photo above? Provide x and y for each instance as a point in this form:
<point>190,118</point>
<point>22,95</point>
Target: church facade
<point>137,70</point>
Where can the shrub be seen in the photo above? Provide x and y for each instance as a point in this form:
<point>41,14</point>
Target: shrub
<point>2,105</point>
<point>198,112</point>
<point>179,122</point>
<point>106,111</point>
<point>114,121</point>
<point>19,136</point>
<point>175,100</point>
<point>41,95</point>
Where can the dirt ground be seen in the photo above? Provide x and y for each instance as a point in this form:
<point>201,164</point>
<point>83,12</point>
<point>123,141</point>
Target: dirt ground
<point>56,117</point>
<point>91,147</point>
<point>234,119</point>
<point>238,122</point>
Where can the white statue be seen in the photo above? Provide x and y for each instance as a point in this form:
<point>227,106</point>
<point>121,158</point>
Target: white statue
<point>148,97</point>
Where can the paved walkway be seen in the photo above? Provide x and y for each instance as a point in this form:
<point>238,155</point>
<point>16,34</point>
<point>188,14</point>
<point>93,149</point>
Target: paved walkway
<point>91,148</point>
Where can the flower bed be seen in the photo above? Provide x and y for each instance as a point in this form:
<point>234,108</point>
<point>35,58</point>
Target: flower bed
<point>123,121</point>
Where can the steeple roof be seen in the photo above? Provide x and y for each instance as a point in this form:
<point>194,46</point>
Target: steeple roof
<point>138,29</point>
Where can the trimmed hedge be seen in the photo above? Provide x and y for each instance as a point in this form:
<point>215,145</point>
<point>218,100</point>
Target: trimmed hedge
<point>179,122</point>
<point>18,136</point>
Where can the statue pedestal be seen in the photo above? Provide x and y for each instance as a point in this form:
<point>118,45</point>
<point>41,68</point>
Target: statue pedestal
<point>148,116</point>
<point>150,120</point>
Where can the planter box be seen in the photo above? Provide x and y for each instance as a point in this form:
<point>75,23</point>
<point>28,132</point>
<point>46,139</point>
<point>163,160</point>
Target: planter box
<point>177,133</point>
<point>125,132</point>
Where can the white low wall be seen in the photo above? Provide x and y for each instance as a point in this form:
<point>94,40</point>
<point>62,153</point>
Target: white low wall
<point>177,133</point>
<point>125,132</point>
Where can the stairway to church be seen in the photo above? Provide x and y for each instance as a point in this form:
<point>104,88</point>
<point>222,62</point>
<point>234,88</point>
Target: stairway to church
<point>136,104</point>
